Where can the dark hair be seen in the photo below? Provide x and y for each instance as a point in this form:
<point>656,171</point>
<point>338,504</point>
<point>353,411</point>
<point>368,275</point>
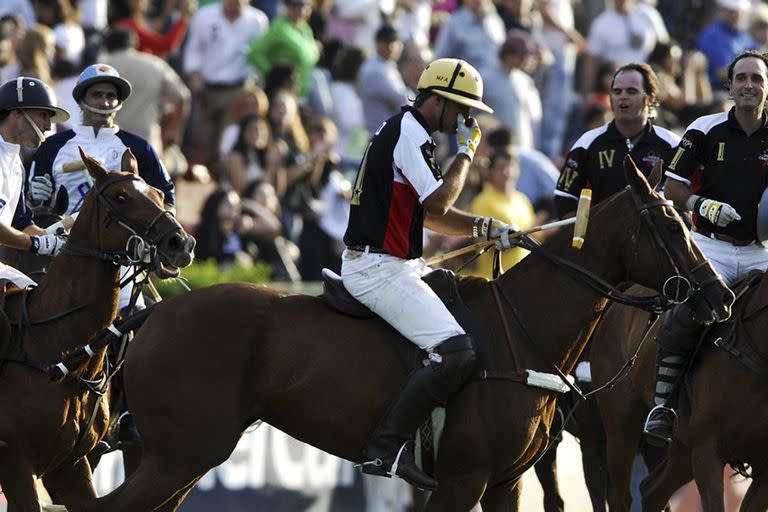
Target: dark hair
<point>281,76</point>
<point>210,239</point>
<point>650,81</point>
<point>120,38</point>
<point>119,9</point>
<point>500,153</point>
<point>348,62</point>
<point>745,55</point>
<point>661,52</point>
<point>241,147</point>
<point>421,98</point>
<point>500,138</point>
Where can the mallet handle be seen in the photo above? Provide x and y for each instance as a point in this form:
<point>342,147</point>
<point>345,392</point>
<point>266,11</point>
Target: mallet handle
<point>485,243</point>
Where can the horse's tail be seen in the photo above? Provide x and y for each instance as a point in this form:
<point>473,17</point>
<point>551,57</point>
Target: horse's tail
<point>112,333</point>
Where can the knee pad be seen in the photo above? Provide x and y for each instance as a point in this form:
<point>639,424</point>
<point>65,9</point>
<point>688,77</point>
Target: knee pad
<point>679,333</point>
<point>454,366</point>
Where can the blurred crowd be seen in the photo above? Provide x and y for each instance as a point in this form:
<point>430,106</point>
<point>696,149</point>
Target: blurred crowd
<point>274,101</point>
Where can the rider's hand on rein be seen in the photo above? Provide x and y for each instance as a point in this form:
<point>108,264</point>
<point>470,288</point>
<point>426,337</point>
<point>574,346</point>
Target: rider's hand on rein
<point>718,213</point>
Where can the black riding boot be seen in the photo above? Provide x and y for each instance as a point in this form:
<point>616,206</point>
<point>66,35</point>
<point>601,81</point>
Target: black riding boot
<point>390,450</point>
<point>675,341</point>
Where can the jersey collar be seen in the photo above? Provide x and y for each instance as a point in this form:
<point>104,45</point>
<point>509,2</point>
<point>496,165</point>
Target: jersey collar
<point>417,115</point>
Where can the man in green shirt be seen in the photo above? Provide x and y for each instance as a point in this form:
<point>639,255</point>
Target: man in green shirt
<point>289,40</point>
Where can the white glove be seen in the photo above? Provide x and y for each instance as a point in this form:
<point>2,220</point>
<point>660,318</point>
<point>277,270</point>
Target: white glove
<point>499,233</point>
<point>40,189</point>
<point>467,137</point>
<point>718,213</point>
<point>47,245</point>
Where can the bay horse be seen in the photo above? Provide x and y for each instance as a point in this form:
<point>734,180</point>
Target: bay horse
<point>47,428</point>
<point>722,416</point>
<point>208,363</point>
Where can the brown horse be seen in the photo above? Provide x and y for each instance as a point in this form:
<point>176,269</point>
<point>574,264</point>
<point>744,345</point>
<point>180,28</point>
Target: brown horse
<point>207,364</point>
<point>722,416</point>
<point>45,427</point>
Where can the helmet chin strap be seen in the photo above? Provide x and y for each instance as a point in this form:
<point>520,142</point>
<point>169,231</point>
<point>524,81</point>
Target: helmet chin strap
<point>38,132</point>
<point>101,111</point>
<point>442,116</point>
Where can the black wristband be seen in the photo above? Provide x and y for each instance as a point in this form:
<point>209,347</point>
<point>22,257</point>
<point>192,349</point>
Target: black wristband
<point>35,248</point>
<point>697,204</point>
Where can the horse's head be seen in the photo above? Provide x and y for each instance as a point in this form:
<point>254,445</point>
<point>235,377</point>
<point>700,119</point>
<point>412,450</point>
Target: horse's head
<point>123,220</point>
<point>663,255</point>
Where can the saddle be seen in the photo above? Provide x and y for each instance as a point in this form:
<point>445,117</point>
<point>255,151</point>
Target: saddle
<point>8,350</point>
<point>442,282</point>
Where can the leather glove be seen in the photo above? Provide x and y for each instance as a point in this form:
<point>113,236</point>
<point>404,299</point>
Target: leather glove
<point>467,135</point>
<point>718,213</point>
<point>40,189</point>
<point>47,245</point>
<point>499,233</point>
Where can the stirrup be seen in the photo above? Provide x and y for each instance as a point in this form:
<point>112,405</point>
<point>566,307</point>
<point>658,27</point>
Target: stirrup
<point>658,428</point>
<point>377,463</point>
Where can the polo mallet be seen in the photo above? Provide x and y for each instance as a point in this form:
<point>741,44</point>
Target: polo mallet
<point>582,218</point>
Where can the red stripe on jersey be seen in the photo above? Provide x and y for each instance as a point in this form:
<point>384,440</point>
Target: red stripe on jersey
<point>397,238</point>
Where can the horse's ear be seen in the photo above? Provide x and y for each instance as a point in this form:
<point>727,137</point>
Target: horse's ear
<point>635,178</point>
<point>62,201</point>
<point>655,177</point>
<point>129,163</point>
<point>95,168</point>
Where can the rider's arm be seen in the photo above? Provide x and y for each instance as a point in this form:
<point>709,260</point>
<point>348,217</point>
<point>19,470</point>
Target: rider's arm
<point>678,192</point>
<point>454,222</point>
<point>440,201</point>
<point>12,237</point>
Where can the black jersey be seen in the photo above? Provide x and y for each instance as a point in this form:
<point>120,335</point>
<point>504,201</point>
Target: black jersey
<point>718,160</point>
<point>397,173</point>
<point>596,161</point>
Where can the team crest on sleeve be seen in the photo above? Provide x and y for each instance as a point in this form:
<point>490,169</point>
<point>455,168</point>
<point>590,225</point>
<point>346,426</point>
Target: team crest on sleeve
<point>428,152</point>
<point>686,142</point>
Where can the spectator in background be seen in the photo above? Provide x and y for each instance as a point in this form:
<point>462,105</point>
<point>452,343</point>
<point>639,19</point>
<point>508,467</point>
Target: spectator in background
<point>317,247</point>
<point>500,200</point>
<point>725,38</point>
<point>413,19</point>
<point>537,174</point>
<point>511,92</point>
<point>251,101</point>
<point>289,40</point>
<point>473,33</point>
<point>9,65</point>
<point>19,8</point>
<point>161,88</point>
<point>356,21</point>
<point>319,100</point>
<point>381,86</point>
<point>252,157</point>
<point>64,19</point>
<point>35,53</point>
<point>412,63</point>
<point>348,107</point>
<point>214,60</point>
<point>217,234</point>
<point>130,14</point>
<point>684,90</point>
<point>625,33</point>
<point>262,231</point>
<point>758,26</point>
<point>563,41</point>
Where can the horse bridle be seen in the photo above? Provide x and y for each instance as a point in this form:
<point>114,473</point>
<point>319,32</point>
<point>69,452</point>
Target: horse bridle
<point>680,287</point>
<point>139,248</point>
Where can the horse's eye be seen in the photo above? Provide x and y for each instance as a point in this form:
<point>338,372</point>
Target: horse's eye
<point>121,197</point>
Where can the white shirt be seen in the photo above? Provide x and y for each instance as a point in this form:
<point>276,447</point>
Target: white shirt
<point>216,47</point>
<point>610,34</point>
<point>11,179</point>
